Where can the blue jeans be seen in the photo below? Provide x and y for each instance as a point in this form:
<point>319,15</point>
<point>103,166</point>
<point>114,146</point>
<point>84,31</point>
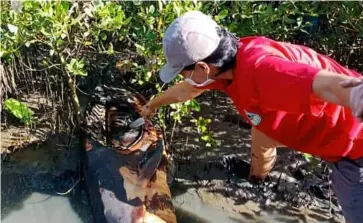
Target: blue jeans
<point>347,184</point>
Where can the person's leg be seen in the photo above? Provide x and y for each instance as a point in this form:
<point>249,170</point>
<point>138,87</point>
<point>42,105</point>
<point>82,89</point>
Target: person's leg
<point>347,184</point>
<point>263,155</point>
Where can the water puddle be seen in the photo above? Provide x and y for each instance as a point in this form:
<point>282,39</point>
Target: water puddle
<point>31,180</point>
<point>33,199</point>
<point>40,207</point>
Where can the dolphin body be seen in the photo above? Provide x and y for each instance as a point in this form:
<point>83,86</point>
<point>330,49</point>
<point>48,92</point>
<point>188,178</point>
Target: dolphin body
<point>125,169</point>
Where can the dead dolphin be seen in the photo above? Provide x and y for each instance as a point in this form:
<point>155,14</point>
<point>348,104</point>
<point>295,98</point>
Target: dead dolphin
<point>125,169</point>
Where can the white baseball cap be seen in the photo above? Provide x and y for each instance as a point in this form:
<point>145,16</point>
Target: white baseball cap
<point>189,38</point>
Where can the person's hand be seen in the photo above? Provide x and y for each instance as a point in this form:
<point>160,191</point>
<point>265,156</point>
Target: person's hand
<point>356,96</point>
<point>351,82</point>
<point>147,111</point>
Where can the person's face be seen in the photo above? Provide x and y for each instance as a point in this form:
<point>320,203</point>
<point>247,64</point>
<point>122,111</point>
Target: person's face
<point>200,73</point>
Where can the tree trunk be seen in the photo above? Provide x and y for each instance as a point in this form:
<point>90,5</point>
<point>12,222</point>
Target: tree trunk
<point>74,99</point>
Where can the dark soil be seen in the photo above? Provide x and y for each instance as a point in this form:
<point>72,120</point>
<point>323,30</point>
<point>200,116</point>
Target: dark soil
<point>295,188</point>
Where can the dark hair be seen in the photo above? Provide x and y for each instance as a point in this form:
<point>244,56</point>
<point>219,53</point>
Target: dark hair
<point>224,57</point>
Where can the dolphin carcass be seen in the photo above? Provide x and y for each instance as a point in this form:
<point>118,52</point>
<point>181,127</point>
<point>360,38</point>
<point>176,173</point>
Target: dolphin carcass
<point>125,169</point>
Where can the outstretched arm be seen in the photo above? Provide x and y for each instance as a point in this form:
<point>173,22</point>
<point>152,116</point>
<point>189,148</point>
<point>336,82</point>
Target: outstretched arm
<point>326,86</point>
<point>178,93</point>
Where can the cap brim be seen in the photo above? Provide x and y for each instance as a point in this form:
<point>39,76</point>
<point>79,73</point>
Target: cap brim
<point>168,73</point>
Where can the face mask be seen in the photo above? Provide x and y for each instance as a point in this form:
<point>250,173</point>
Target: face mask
<point>205,83</point>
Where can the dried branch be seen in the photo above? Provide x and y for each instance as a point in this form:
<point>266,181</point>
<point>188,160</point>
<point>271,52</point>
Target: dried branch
<point>38,70</point>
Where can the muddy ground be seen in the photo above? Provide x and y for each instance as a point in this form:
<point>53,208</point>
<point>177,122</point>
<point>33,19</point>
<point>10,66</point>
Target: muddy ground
<point>298,191</point>
<point>211,183</point>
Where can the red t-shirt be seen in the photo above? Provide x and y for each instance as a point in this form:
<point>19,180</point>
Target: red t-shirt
<point>272,90</point>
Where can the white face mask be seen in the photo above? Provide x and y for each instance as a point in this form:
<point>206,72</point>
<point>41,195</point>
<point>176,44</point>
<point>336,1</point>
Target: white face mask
<point>205,83</point>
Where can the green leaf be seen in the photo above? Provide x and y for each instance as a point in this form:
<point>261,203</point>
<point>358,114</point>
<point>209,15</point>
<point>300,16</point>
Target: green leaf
<point>81,73</point>
<point>60,42</point>
<point>195,106</point>
<point>12,28</point>
<point>81,64</point>
<point>110,49</point>
<point>222,14</point>
<point>151,9</point>
<point>205,137</point>
<point>103,36</point>
<point>193,121</point>
<point>299,21</point>
<point>140,49</point>
<point>76,67</point>
<point>160,4</point>
<point>127,21</point>
<point>307,157</point>
<point>73,62</point>
<point>208,121</point>
<point>118,20</point>
<point>289,21</point>
<point>148,75</point>
<point>19,110</point>
<point>173,106</point>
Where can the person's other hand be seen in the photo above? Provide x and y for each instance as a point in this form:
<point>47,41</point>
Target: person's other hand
<point>351,82</point>
<point>147,111</point>
<point>356,96</point>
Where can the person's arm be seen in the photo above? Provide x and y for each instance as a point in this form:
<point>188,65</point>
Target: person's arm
<point>327,86</point>
<point>180,92</point>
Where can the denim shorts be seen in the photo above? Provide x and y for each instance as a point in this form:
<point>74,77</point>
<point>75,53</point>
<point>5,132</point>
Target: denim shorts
<point>347,184</point>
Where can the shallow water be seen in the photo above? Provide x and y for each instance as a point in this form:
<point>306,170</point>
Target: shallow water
<point>31,179</point>
<point>33,199</point>
<point>40,207</point>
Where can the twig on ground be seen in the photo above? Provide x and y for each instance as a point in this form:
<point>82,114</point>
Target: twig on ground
<point>68,191</point>
<point>35,202</point>
<point>61,145</point>
<point>172,133</point>
<point>278,181</point>
<point>164,136</point>
<point>83,92</point>
<point>186,142</point>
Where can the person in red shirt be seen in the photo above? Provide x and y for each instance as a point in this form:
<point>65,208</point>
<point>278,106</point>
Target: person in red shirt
<point>290,94</point>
